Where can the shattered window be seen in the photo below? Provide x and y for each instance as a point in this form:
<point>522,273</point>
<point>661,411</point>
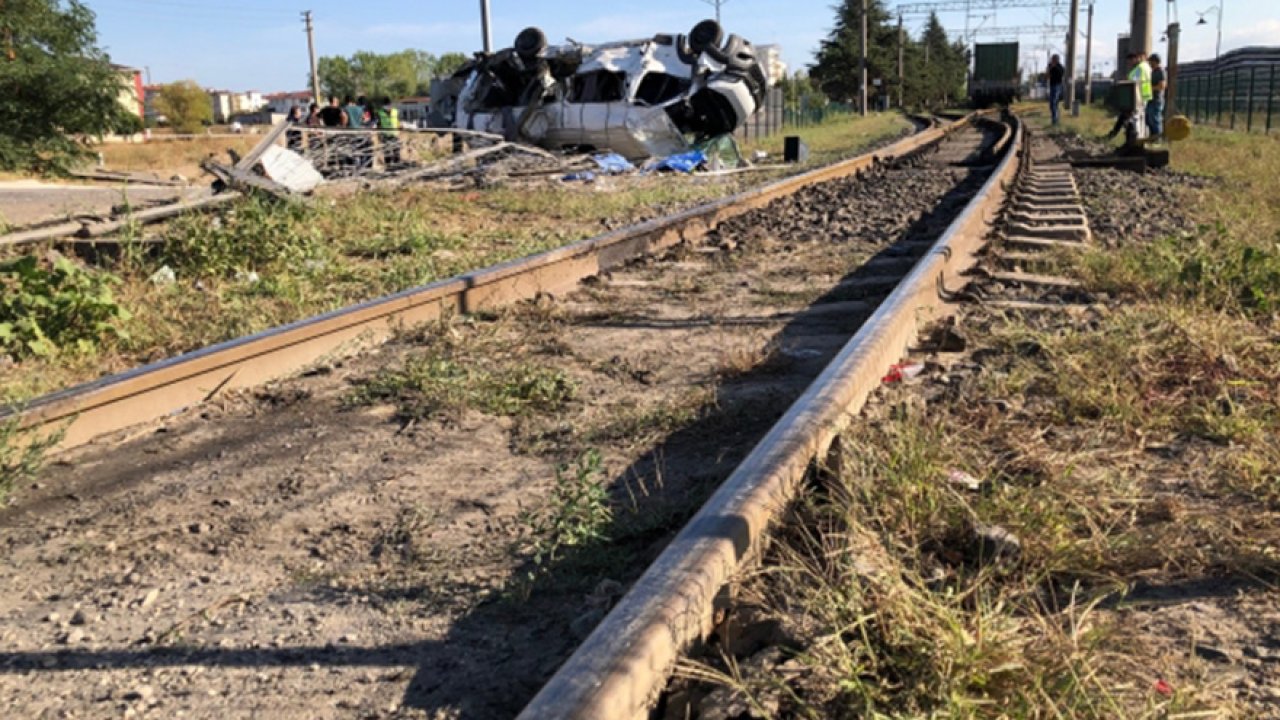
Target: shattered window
<point>657,88</point>
<point>598,87</point>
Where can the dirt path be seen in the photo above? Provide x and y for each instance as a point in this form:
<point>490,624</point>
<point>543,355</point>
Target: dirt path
<point>287,555</point>
<point>28,202</point>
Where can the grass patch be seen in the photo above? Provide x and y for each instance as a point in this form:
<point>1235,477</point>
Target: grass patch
<point>171,157</point>
<point>21,457</point>
<point>453,375</point>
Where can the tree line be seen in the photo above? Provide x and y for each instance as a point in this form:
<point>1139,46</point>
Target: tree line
<point>935,69</point>
<point>395,75</point>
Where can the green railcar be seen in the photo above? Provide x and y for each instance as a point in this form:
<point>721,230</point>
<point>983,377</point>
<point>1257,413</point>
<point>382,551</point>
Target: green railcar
<point>996,78</point>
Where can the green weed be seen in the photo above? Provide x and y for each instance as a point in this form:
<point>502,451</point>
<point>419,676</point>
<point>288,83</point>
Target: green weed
<point>576,513</point>
<point>44,309</point>
<point>21,458</point>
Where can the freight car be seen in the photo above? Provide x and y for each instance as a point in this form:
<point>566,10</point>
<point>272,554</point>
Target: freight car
<point>996,79</point>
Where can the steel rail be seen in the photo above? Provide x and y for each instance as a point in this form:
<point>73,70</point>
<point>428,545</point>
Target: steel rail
<point>623,665</point>
<point>146,393</point>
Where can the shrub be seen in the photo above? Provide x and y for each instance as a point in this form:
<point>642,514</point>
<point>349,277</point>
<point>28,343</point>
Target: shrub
<point>45,309</point>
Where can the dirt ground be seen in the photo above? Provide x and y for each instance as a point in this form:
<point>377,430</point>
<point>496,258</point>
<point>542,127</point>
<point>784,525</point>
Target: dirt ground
<point>284,554</point>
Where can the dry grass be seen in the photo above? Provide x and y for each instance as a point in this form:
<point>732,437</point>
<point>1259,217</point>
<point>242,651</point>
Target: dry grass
<point>171,157</point>
<point>1127,449</point>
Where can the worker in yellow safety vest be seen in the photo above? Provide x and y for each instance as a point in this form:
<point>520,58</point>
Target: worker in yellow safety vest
<point>389,119</point>
<point>1141,74</point>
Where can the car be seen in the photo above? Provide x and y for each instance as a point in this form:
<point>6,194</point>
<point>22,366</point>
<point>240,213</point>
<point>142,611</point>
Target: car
<point>638,98</point>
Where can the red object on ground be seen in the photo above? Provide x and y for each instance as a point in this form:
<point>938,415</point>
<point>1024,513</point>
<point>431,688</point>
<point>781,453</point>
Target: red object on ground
<point>1163,687</point>
<point>902,371</point>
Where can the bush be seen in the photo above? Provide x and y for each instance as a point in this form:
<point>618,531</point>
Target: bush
<point>45,309</point>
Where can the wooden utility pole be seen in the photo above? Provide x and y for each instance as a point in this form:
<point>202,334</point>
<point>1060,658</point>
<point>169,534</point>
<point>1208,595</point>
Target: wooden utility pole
<point>311,50</point>
<point>1073,31</point>
<point>863,64</point>
<point>1088,60</point>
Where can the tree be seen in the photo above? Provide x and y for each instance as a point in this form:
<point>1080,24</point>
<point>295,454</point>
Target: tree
<point>400,74</point>
<point>57,88</point>
<point>837,66</point>
<point>449,63</point>
<point>186,106</point>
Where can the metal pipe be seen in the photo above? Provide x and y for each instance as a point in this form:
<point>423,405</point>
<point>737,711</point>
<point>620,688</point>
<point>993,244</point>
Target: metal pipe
<point>484,26</point>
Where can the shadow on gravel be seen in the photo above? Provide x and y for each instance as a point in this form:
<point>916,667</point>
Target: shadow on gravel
<point>549,608</point>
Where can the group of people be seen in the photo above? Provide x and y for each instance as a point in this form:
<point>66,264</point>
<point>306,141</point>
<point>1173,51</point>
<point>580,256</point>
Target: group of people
<point>354,151</point>
<point>1148,76</point>
<point>1145,72</point>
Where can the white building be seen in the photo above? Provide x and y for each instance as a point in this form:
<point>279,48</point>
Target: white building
<point>770,57</point>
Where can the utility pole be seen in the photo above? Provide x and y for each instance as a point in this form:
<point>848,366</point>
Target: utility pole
<point>901,74</point>
<point>1088,60</point>
<point>311,50</point>
<point>864,58</point>
<point>716,4</point>
<point>484,26</point>
<point>1140,32</point>
<point>1073,30</point>
<point>1171,73</point>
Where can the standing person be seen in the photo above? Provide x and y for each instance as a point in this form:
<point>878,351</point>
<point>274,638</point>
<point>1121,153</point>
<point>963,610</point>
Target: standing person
<point>1141,74</point>
<point>389,119</point>
<point>333,118</point>
<point>293,136</point>
<point>315,140</point>
<point>1056,73</point>
<point>331,115</point>
<point>353,119</point>
<point>1155,108</point>
<point>1133,121</point>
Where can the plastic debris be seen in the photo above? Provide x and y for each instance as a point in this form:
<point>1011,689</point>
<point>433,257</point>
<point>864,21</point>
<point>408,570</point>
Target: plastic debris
<point>251,277</point>
<point>1164,688</point>
<point>759,155</point>
<point>613,163</point>
<point>682,162</point>
<point>584,176</point>
<point>163,276</point>
<point>964,479</point>
<point>899,372</point>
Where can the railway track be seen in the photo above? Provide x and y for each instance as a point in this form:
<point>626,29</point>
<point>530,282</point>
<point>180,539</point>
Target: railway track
<point>323,525</point>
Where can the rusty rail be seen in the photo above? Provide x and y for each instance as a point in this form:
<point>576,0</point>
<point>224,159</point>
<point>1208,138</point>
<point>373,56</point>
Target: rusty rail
<point>153,391</point>
<point>623,665</point>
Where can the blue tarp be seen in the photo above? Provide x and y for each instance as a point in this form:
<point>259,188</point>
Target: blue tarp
<point>613,163</point>
<point>683,162</point>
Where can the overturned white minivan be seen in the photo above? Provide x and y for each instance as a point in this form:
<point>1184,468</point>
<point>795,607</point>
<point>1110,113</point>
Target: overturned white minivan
<point>638,97</point>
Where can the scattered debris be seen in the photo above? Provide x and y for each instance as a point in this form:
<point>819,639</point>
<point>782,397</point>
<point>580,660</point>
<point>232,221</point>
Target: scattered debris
<point>899,372</point>
<point>162,277</point>
<point>964,480</point>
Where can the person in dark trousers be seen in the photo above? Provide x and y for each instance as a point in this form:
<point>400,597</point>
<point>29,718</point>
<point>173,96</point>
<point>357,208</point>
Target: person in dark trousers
<point>1155,108</point>
<point>315,140</point>
<point>333,118</point>
<point>293,136</point>
<point>1056,75</point>
<point>358,145</point>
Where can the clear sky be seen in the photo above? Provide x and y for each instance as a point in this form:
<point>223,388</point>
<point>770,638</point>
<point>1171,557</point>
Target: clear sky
<point>260,44</point>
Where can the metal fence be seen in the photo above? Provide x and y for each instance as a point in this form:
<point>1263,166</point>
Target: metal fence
<point>1244,98</point>
<point>776,115</point>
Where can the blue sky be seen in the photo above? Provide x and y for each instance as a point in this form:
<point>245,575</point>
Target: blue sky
<point>260,45</point>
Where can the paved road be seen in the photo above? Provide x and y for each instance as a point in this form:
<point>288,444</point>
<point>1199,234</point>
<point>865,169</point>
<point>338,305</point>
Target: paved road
<point>26,202</point>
